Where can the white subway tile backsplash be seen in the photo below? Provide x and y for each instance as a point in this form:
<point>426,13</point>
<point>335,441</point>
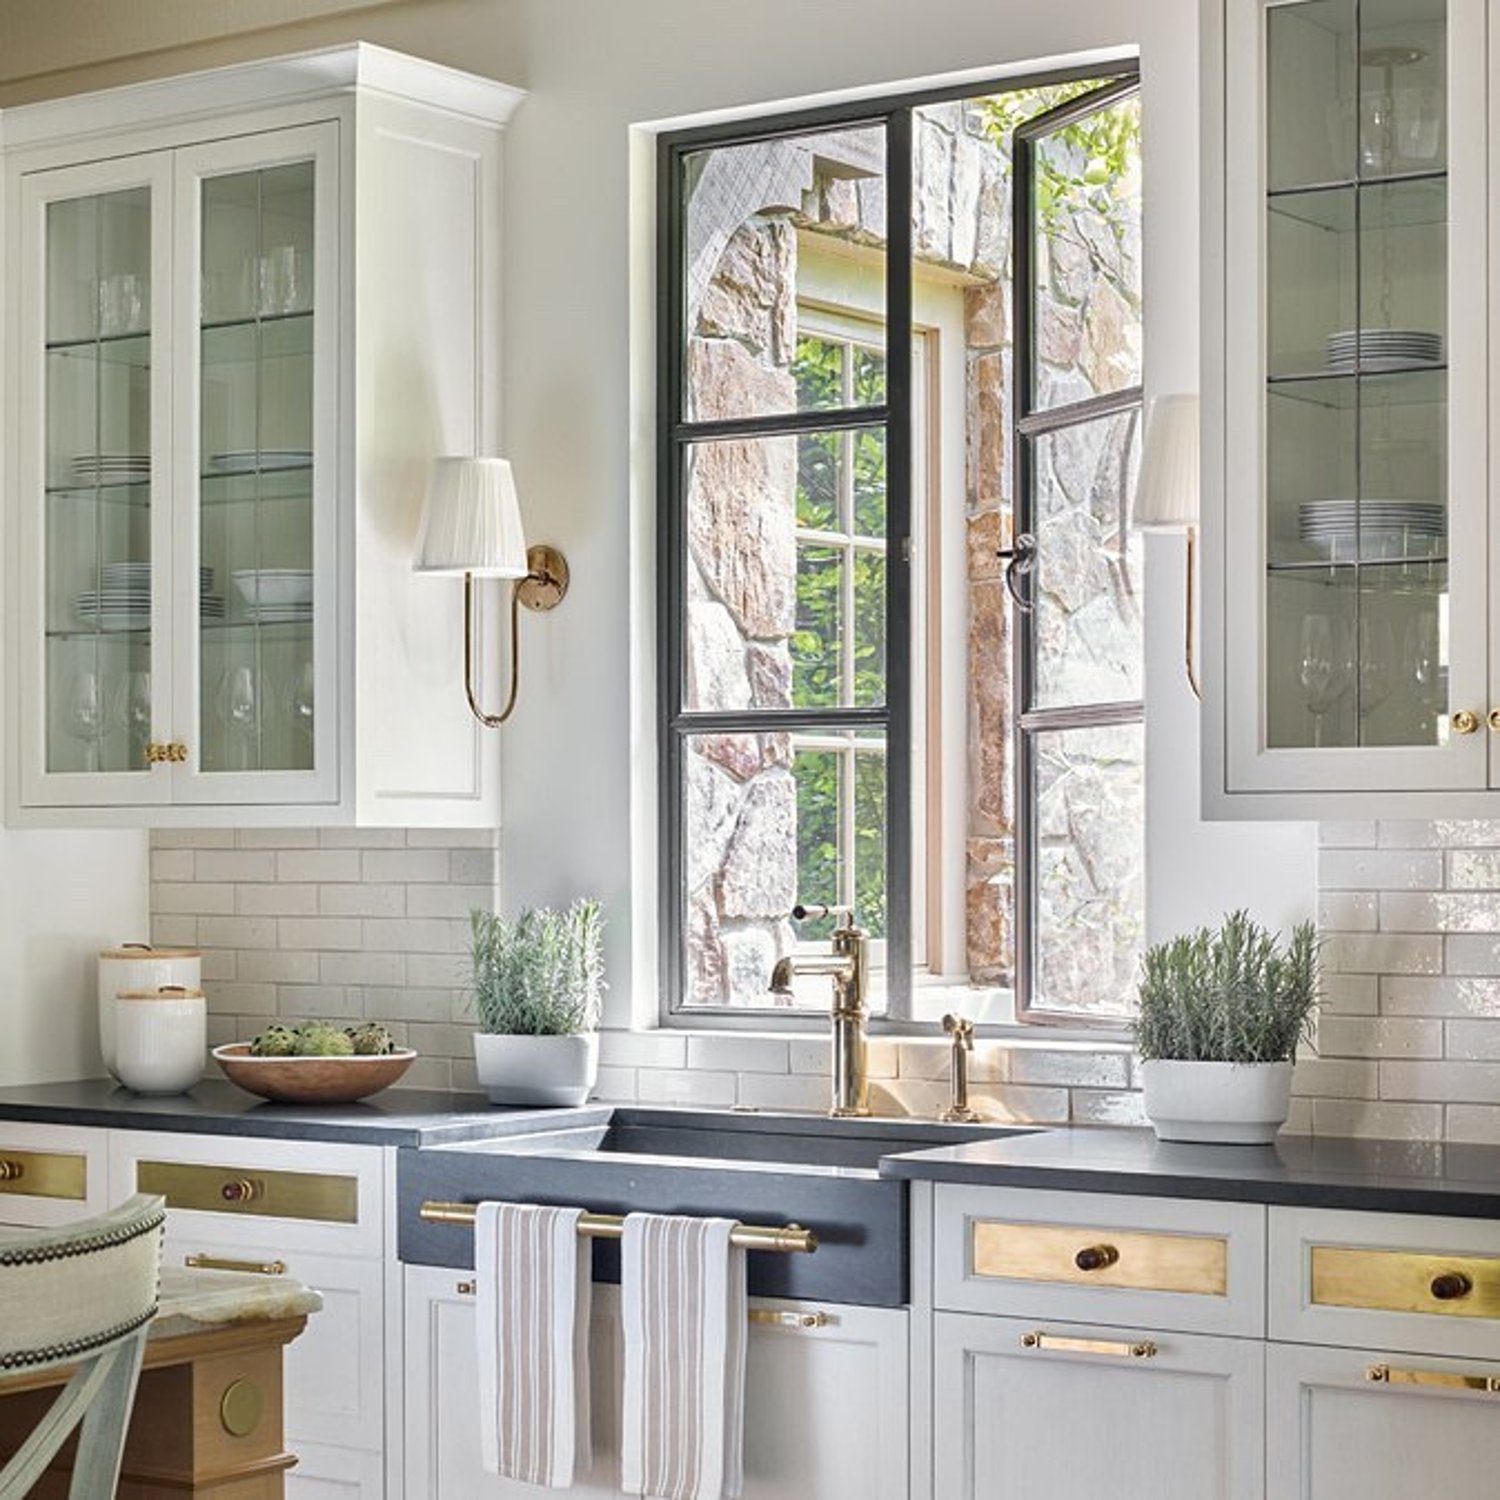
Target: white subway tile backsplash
<point>349,923</point>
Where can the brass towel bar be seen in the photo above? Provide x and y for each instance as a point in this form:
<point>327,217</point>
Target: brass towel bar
<point>791,1239</point>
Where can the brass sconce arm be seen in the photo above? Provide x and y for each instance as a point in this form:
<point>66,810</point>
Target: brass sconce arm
<point>543,588</point>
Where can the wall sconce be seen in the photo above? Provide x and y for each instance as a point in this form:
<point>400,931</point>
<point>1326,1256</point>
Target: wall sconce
<point>1166,495</point>
<point>471,524</point>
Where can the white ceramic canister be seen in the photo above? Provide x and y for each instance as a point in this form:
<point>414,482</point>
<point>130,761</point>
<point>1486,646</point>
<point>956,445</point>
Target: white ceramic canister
<point>161,1039</point>
<point>139,966</point>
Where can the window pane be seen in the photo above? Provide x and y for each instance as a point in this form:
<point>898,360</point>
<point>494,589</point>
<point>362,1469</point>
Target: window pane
<point>1090,852</point>
<point>786,594</point>
<point>1087,298</point>
<point>768,820</point>
<point>747,211</point>
<point>1087,584</point>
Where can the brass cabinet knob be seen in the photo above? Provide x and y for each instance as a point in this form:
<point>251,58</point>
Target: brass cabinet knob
<point>11,1171</point>
<point>1450,1286</point>
<point>241,1190</point>
<point>1494,719</point>
<point>1465,721</point>
<point>177,751</point>
<point>1096,1257</point>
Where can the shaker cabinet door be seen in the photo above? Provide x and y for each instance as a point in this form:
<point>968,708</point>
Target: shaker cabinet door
<point>1071,1412</point>
<point>91,486</point>
<point>1350,1424</point>
<point>1347,495</point>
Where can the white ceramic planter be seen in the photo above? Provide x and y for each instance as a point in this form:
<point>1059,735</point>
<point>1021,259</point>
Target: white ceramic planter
<point>1236,1104</point>
<point>537,1069</point>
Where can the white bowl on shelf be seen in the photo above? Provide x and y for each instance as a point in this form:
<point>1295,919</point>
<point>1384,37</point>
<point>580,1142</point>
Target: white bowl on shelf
<point>277,588</point>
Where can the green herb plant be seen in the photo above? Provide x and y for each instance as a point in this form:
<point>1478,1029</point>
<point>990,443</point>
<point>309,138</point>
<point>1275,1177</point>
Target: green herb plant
<point>541,974</point>
<point>1228,995</point>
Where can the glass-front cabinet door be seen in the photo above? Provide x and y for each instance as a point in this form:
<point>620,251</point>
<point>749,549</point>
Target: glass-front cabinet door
<point>95,522</point>
<point>257,450</point>
<point>1355,425</point>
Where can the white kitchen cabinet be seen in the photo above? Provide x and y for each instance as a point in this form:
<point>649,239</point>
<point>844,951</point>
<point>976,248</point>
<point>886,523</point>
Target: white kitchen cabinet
<point>825,1406</point>
<point>1350,638</point>
<point>334,1474</point>
<point>247,307</point>
<point>1358,1424</point>
<point>1024,1409</point>
<point>51,1174</point>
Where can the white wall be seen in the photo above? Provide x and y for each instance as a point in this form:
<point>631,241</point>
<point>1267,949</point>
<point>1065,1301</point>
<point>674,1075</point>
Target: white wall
<point>577,359</point>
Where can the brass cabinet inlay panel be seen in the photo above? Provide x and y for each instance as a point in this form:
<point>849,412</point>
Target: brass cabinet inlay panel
<point>44,1174</point>
<point>1196,1264</point>
<point>1453,1286</point>
<point>242,1190</point>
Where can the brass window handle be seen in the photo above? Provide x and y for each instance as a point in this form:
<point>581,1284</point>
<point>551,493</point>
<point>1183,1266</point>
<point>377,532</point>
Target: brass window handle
<point>223,1263</point>
<point>1439,1379</point>
<point>1112,1348</point>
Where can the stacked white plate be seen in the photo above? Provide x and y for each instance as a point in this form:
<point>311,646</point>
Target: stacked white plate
<point>123,599</point>
<point>1336,528</point>
<point>258,460</point>
<point>1377,349</point>
<point>111,468</point>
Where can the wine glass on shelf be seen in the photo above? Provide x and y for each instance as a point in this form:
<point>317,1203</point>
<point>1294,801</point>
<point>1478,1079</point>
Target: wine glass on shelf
<point>84,717</point>
<point>1325,670</point>
<point>299,703</point>
<point>1422,665</point>
<point>132,712</point>
<point>1377,663</point>
<point>240,712</point>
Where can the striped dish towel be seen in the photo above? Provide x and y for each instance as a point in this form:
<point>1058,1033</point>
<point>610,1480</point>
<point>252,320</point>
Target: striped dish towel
<point>682,1295</point>
<point>533,1284</point>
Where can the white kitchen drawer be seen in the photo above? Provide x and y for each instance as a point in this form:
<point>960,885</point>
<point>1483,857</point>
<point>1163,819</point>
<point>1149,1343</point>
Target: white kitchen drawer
<point>1385,1281</point>
<point>1100,1258</point>
<point>52,1174</point>
<point>256,1195</point>
<point>335,1370</point>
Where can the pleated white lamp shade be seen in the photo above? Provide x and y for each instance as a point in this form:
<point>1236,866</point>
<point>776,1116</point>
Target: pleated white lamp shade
<point>471,522</point>
<point>1166,490</point>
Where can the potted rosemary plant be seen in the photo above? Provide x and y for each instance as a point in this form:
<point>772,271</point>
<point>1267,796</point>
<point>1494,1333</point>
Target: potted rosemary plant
<point>537,984</point>
<point>1221,1015</point>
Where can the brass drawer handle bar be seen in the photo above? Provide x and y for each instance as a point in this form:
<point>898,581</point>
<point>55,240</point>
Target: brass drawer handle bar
<point>781,1318</point>
<point>790,1239</point>
<point>1096,1258</point>
<point>1451,1285</point>
<point>223,1263</point>
<point>1438,1379</point>
<point>11,1170</point>
<point>1114,1348</point>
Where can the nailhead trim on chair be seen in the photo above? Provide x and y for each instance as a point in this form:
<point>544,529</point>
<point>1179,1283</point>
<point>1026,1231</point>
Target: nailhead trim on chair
<point>72,1348</point>
<point>24,1255</point>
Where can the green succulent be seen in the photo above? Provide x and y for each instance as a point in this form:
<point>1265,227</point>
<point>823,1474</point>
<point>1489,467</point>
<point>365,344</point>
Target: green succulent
<point>371,1039</point>
<point>319,1039</point>
<point>274,1041</point>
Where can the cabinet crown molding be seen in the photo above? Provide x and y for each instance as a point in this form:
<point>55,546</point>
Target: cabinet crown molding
<point>360,67</point>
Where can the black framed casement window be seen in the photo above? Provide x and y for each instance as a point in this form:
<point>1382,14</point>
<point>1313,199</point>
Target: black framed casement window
<point>845,715</point>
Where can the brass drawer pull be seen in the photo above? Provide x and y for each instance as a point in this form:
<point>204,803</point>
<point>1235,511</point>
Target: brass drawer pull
<point>784,1318</point>
<point>242,1190</point>
<point>11,1170</point>
<point>1451,1285</point>
<point>1096,1258</point>
<point>1439,1379</point>
<point>1112,1348</point>
<point>465,1289</point>
<point>223,1263</point>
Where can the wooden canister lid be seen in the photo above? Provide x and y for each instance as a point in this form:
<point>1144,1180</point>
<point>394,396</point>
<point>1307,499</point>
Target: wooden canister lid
<point>164,992</point>
<point>146,951</point>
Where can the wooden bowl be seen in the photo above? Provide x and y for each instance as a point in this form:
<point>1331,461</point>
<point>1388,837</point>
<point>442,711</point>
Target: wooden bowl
<point>312,1080</point>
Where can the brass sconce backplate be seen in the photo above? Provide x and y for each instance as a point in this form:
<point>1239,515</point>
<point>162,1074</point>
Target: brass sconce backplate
<point>546,585</point>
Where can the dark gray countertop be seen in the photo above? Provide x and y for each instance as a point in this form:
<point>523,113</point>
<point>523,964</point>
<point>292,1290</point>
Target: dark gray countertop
<point>396,1117</point>
<point>1381,1176</point>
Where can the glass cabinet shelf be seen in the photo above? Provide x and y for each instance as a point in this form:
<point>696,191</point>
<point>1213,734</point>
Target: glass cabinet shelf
<point>280,629</point>
<point>1415,385</point>
<point>1412,202</point>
